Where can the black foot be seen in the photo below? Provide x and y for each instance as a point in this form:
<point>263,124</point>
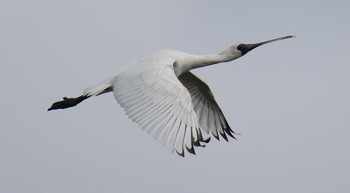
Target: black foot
<point>67,102</point>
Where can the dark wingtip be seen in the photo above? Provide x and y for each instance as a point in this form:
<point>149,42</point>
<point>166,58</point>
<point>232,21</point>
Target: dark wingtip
<point>228,130</point>
<point>207,140</point>
<point>181,154</point>
<point>191,150</point>
<point>230,134</point>
<point>196,143</point>
<point>216,136</point>
<point>223,135</point>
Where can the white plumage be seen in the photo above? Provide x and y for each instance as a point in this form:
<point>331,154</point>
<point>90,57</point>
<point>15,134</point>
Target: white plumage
<point>166,100</point>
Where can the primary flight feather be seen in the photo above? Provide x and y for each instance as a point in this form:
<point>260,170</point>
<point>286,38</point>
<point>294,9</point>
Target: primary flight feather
<point>166,100</point>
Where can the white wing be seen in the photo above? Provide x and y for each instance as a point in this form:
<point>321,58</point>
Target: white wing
<point>154,98</point>
<point>209,114</point>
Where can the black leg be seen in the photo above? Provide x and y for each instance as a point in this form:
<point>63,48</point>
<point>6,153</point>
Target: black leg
<point>67,102</point>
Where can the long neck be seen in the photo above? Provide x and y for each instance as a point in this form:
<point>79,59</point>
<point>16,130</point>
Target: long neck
<point>196,61</point>
<point>202,61</point>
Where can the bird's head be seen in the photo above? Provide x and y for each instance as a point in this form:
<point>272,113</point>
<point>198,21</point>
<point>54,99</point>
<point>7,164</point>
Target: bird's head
<point>238,50</point>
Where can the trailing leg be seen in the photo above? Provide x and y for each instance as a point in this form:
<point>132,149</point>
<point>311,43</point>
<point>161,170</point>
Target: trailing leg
<point>96,90</point>
<point>67,102</point>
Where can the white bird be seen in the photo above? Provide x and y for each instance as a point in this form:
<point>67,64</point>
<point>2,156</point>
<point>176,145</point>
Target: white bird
<point>166,100</point>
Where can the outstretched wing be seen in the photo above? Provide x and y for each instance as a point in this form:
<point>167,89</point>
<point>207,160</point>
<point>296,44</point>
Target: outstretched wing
<point>209,114</point>
<point>155,99</point>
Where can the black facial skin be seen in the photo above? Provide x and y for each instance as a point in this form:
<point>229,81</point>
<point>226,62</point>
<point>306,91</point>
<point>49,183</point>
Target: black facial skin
<point>245,48</point>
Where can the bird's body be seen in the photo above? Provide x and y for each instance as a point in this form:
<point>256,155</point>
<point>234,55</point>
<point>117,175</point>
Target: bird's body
<point>170,103</point>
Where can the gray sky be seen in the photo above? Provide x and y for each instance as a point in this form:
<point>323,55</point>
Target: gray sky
<point>289,100</point>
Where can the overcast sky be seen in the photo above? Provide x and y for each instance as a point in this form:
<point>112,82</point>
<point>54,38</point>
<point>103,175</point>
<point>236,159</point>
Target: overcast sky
<point>289,100</point>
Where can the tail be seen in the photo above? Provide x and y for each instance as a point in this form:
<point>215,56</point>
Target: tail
<point>102,88</point>
<point>99,89</point>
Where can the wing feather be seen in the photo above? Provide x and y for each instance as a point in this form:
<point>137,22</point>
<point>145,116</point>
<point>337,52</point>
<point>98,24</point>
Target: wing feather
<point>153,97</point>
<point>173,110</point>
<point>210,117</point>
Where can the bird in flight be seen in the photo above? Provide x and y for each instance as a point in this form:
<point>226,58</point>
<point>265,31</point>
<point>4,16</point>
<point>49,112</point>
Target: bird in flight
<point>166,100</point>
